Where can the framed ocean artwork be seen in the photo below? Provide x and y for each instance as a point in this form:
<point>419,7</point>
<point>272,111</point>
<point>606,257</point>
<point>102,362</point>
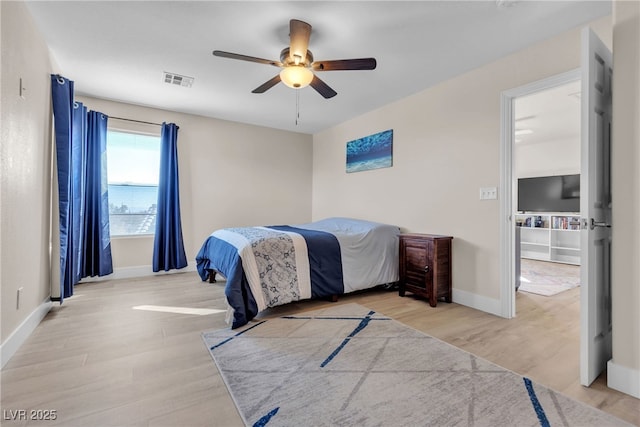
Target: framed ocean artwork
<point>371,152</point>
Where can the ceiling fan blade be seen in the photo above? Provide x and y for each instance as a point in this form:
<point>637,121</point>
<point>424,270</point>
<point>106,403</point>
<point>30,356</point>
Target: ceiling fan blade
<point>230,55</point>
<point>299,33</point>
<point>322,88</point>
<point>267,85</point>
<point>345,64</point>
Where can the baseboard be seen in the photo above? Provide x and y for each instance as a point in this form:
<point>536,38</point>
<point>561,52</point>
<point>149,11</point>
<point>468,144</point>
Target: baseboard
<point>488,305</point>
<point>22,332</point>
<point>623,379</point>
<point>136,271</point>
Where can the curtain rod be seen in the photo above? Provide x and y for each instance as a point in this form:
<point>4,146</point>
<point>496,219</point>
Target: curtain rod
<point>137,121</point>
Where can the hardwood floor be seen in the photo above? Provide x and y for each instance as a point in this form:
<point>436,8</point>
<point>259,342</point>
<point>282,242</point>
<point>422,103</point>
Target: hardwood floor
<point>98,362</point>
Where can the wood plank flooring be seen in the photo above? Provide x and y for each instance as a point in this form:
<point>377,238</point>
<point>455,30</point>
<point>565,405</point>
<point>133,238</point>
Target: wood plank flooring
<point>98,362</point>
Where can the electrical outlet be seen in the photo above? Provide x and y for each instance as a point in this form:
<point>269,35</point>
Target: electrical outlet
<point>19,297</point>
<point>488,193</point>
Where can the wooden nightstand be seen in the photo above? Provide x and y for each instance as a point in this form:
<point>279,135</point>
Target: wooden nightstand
<point>425,266</point>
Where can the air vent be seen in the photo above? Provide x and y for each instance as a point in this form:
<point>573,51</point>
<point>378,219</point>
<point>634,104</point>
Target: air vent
<point>177,79</point>
<point>502,4</point>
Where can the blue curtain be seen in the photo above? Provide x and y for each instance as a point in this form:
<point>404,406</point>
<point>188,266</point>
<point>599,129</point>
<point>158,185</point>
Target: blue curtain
<point>96,254</point>
<point>168,247</point>
<point>62,97</point>
<point>78,166</point>
<point>75,140</point>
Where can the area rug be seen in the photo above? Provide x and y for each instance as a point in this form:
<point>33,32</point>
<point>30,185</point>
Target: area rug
<point>349,366</point>
<point>547,278</point>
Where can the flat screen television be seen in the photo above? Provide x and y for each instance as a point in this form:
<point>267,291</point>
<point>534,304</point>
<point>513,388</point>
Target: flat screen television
<point>559,193</point>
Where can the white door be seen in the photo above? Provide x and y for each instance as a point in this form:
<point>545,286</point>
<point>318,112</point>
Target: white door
<point>595,207</point>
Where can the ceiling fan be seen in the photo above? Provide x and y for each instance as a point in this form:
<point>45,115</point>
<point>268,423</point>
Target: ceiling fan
<point>297,62</point>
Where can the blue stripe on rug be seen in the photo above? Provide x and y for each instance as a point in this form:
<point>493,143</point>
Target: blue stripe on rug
<point>332,318</point>
<point>232,337</point>
<point>363,324</point>
<point>265,419</point>
<point>542,417</point>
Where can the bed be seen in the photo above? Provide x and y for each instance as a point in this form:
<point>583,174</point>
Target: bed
<point>274,265</point>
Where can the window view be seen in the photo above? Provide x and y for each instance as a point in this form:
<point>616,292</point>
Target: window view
<point>133,165</point>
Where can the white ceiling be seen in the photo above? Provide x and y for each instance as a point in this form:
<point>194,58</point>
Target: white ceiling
<point>119,50</point>
<point>552,115</point>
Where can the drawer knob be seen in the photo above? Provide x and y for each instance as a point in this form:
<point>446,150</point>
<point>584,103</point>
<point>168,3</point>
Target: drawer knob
<point>426,268</point>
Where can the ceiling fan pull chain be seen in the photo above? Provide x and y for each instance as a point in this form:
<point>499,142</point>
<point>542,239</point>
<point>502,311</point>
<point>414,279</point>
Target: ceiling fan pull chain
<point>297,105</point>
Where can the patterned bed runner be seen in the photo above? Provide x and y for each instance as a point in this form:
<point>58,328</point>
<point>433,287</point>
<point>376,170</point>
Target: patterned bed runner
<point>276,264</point>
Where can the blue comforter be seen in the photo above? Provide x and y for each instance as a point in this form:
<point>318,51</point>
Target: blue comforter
<point>269,266</point>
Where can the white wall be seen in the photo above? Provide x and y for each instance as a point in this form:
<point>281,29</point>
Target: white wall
<point>446,146</point>
<point>624,370</point>
<point>231,174</point>
<point>25,156</point>
<point>553,157</point>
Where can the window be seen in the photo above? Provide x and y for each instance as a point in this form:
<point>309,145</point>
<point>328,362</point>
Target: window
<point>133,167</point>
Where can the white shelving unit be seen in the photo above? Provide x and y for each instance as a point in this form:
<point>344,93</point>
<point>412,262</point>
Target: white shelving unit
<point>550,236</point>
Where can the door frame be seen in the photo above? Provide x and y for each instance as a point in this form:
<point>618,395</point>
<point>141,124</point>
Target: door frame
<point>508,182</point>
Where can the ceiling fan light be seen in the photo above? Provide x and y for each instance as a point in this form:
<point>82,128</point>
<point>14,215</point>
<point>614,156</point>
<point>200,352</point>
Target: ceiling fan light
<point>296,76</point>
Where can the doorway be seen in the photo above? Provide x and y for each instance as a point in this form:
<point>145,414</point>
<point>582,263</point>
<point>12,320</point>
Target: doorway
<point>509,179</point>
<point>546,172</point>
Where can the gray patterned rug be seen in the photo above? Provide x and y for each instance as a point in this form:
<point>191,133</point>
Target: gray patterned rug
<point>547,278</point>
<point>349,366</point>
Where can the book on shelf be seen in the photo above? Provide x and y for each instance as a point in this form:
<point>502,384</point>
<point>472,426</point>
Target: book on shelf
<point>566,223</point>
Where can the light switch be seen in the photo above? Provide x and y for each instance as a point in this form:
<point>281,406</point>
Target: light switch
<point>488,193</point>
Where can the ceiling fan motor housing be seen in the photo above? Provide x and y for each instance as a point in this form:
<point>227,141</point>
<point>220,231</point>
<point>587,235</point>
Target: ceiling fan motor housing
<point>287,60</point>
